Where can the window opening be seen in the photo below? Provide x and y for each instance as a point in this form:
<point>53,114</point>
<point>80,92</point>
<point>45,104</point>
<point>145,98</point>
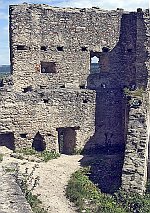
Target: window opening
<point>94,66</point>
<point>82,86</point>
<point>23,135</point>
<point>44,48</point>
<point>85,101</point>
<point>45,101</point>
<point>60,48</point>
<point>84,49</point>
<point>48,67</point>
<point>105,49</point>
<point>27,89</point>
<point>22,47</point>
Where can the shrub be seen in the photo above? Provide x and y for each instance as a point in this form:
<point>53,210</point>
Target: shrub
<point>88,197</point>
<point>133,202</point>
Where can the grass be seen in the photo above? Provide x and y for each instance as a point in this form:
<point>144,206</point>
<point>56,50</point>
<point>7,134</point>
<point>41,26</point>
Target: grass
<point>1,157</point>
<point>27,186</point>
<point>88,197</point>
<point>45,155</point>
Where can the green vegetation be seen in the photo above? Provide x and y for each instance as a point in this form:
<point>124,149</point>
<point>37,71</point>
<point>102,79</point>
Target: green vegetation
<point>9,170</point>
<point>88,198</point>
<point>44,156</point>
<point>1,157</point>
<point>137,92</point>
<point>27,189</point>
<point>78,151</point>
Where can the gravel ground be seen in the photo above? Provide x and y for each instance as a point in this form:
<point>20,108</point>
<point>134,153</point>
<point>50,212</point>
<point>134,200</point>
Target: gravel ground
<point>53,178</point>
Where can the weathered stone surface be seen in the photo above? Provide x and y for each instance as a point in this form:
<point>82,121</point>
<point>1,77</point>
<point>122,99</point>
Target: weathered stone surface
<point>12,199</point>
<point>55,101</point>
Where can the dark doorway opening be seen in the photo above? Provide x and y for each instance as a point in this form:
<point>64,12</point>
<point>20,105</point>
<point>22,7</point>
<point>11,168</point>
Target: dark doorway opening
<point>7,139</point>
<point>67,140</point>
<point>39,143</point>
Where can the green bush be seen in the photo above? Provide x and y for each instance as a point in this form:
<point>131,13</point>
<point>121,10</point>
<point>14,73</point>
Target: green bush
<point>133,202</point>
<point>89,198</point>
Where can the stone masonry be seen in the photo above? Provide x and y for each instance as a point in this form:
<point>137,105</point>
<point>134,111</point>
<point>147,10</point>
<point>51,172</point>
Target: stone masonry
<point>54,100</point>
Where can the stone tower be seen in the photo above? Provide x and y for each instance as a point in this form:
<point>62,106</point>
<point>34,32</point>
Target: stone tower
<point>79,81</point>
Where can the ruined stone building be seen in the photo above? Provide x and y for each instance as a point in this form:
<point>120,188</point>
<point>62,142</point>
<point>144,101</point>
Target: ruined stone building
<point>58,99</point>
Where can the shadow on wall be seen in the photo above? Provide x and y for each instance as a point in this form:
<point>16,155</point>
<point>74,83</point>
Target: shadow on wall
<point>117,70</point>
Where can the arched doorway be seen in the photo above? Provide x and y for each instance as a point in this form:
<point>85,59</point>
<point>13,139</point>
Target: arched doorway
<point>8,140</point>
<point>39,143</point>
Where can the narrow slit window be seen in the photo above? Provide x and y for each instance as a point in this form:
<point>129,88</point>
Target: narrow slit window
<point>48,67</point>
<point>45,101</point>
<point>23,135</point>
<point>105,49</point>
<point>94,60</point>
<point>27,89</point>
<point>43,48</point>
<point>84,49</point>
<point>22,47</point>
<point>60,48</point>
<point>82,86</point>
<point>85,101</point>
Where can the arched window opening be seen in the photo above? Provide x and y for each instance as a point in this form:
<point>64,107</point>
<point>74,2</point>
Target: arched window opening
<point>94,60</point>
<point>39,143</point>
<point>94,66</point>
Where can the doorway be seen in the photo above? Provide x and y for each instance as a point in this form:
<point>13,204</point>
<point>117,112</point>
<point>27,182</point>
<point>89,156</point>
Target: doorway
<point>66,140</point>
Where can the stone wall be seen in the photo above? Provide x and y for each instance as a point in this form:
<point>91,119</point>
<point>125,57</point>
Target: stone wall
<point>63,36</point>
<point>11,199</point>
<point>52,92</point>
<point>134,175</point>
<point>26,114</point>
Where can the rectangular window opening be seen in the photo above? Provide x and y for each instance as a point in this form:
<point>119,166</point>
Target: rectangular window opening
<point>23,135</point>
<point>84,49</point>
<point>22,47</point>
<point>45,101</point>
<point>48,67</point>
<point>27,89</point>
<point>60,48</point>
<point>82,86</point>
<point>43,48</point>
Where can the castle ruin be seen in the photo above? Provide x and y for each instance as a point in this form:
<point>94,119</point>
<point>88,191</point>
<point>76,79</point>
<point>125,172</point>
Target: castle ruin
<point>58,99</point>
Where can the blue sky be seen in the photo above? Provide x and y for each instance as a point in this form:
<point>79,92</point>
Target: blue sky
<point>130,5</point>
